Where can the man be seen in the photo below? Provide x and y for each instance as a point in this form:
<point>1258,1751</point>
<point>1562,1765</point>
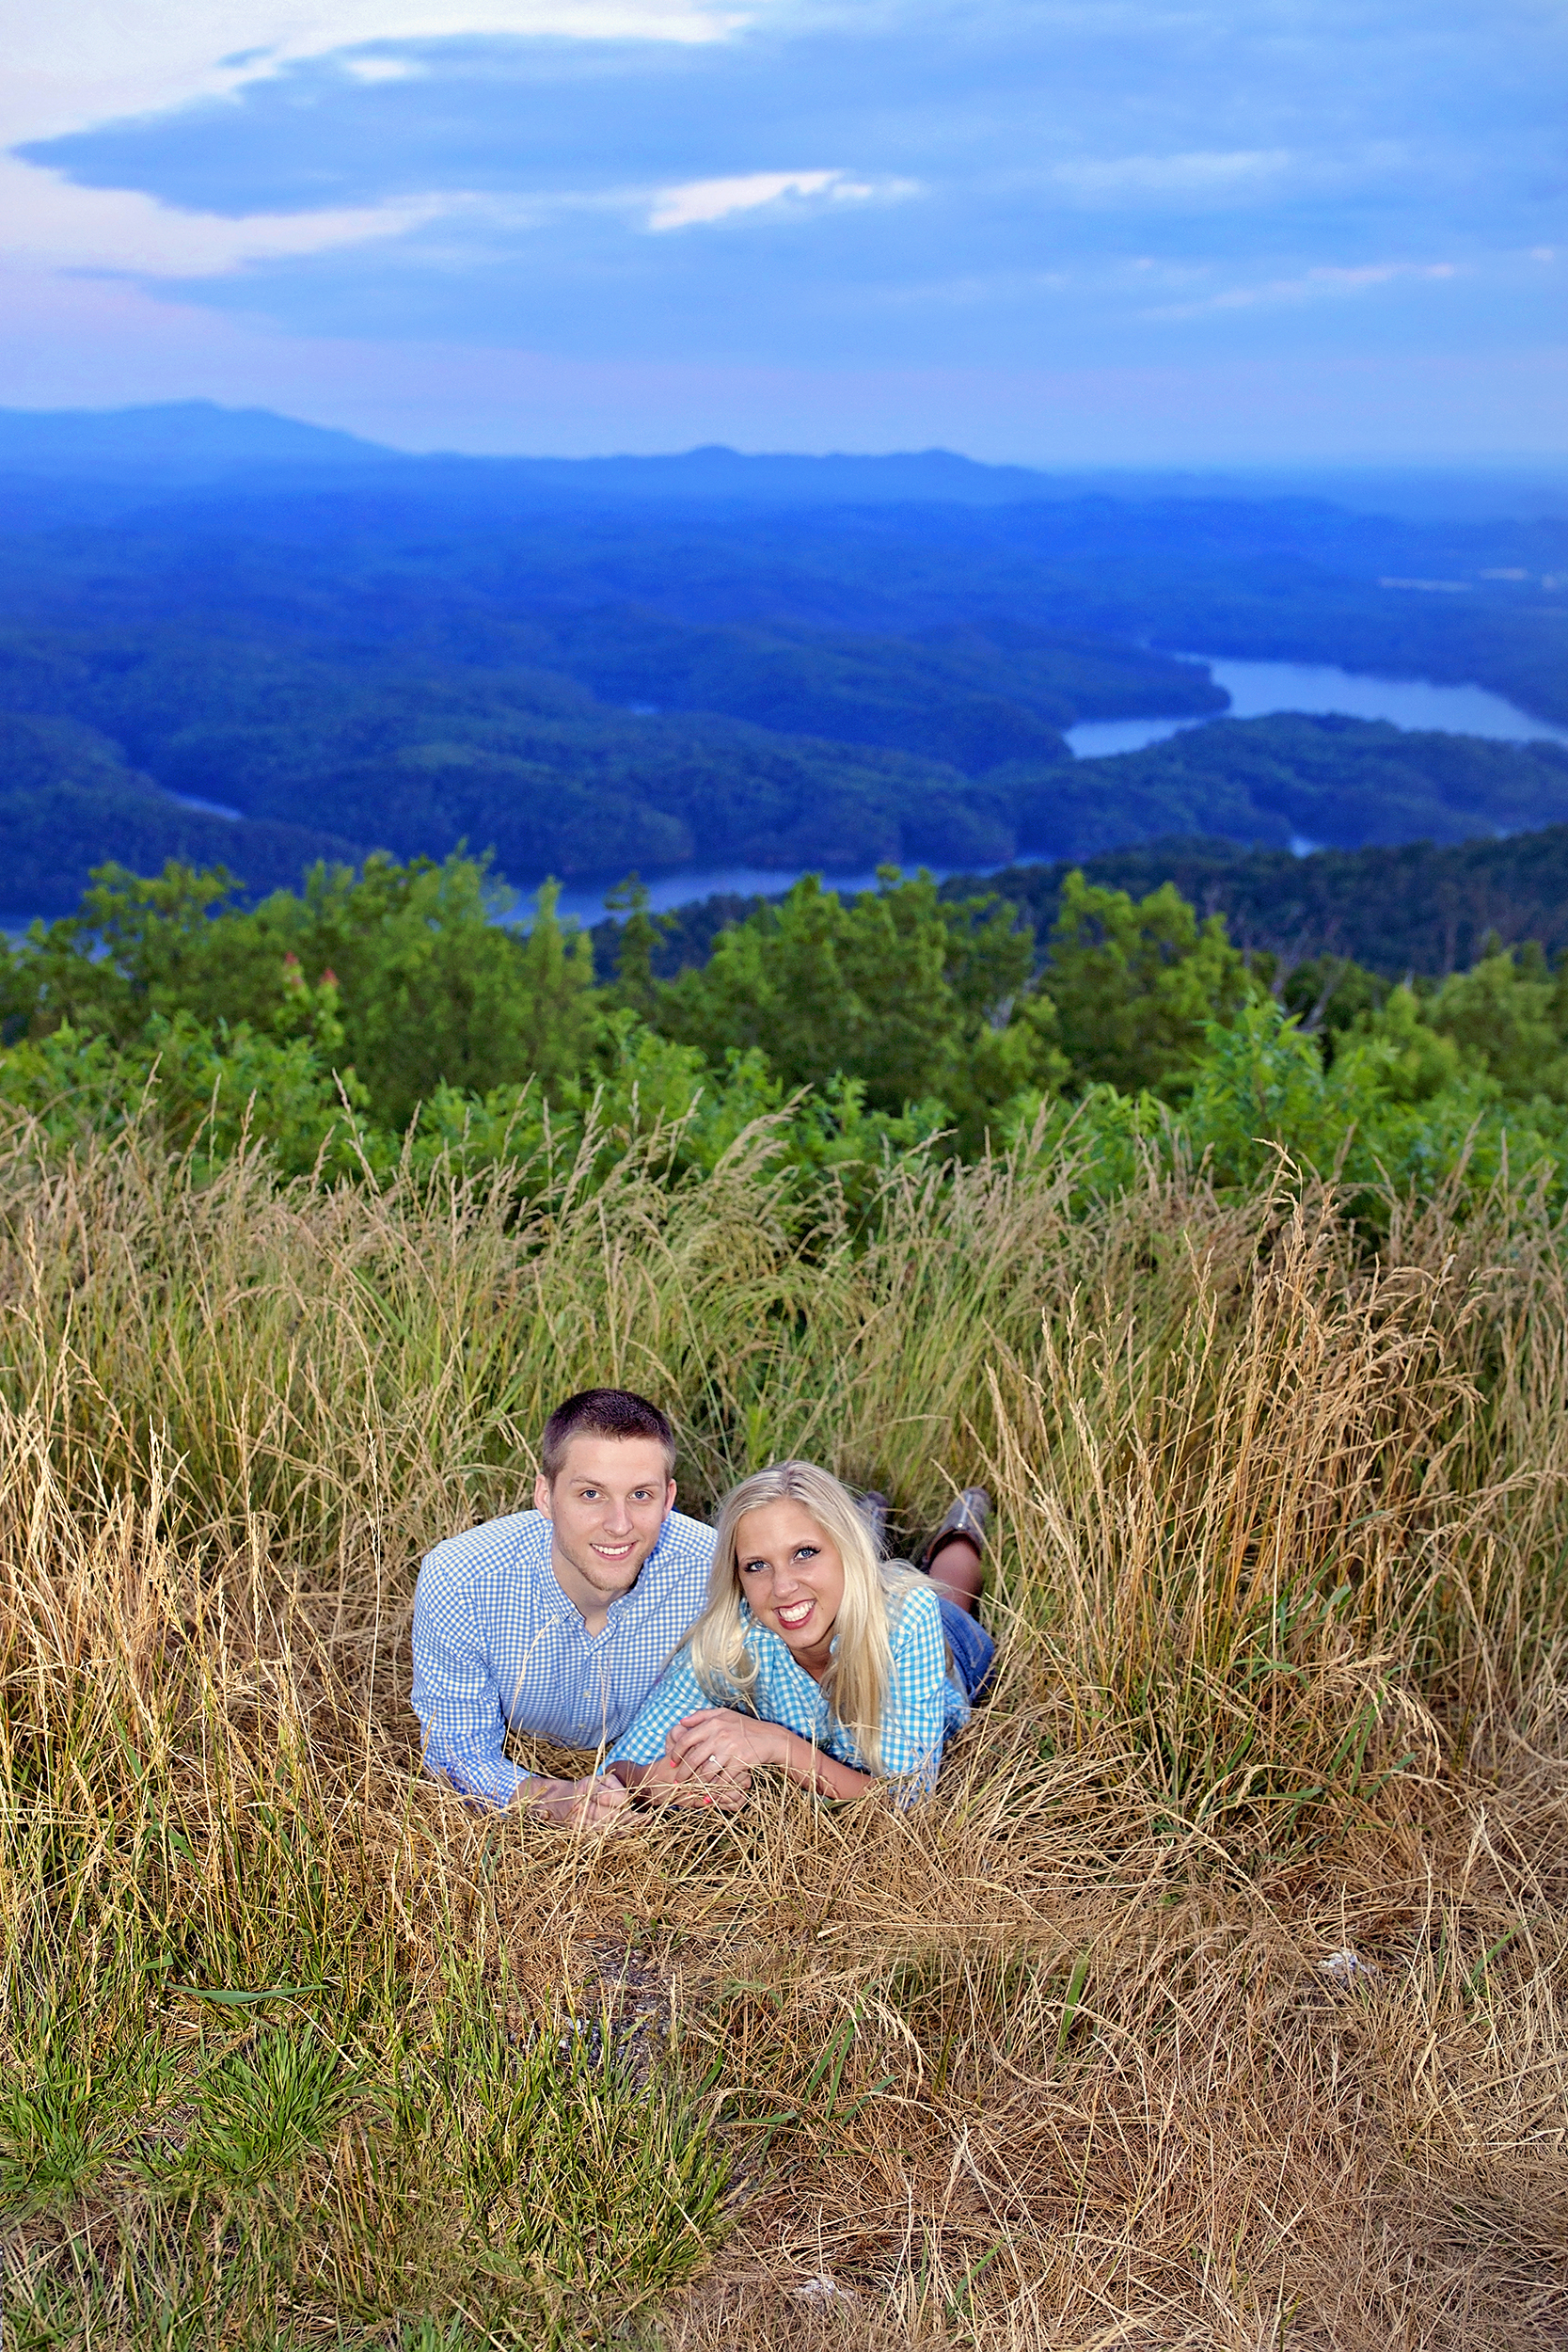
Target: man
<point>557,1622</point>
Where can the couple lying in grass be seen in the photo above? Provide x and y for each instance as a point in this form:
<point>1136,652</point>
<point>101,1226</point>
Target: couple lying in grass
<point>691,1657</point>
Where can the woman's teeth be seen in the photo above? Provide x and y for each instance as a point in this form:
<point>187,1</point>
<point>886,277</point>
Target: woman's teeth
<point>796,1614</point>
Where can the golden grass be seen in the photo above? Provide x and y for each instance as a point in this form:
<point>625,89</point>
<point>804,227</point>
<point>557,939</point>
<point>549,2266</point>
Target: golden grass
<point>1051,2062</point>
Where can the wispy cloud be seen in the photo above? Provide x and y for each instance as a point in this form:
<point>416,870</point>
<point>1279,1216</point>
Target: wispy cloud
<point>50,222</point>
<point>371,66</point>
<point>66,69</point>
<point>1202,173</point>
<point>1323,282</point>
<point>696,202</point>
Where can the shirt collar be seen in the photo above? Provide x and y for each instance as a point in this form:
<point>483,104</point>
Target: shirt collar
<point>781,1648</point>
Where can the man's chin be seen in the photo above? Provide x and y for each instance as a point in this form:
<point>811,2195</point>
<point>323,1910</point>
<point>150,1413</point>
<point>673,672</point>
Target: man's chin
<point>611,1579</point>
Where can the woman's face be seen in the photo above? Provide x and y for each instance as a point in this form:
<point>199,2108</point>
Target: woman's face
<point>791,1574</point>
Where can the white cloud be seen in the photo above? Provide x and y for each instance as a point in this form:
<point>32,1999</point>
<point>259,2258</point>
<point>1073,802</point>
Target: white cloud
<point>1196,174</point>
<point>694,202</point>
<point>81,62</point>
<point>376,69</point>
<point>49,222</point>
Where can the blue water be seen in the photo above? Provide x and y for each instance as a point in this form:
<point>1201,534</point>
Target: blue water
<point>1257,691</point>
<point>585,901</point>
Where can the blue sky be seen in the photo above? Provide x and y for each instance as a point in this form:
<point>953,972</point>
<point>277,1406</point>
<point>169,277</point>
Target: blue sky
<point>1129,230</point>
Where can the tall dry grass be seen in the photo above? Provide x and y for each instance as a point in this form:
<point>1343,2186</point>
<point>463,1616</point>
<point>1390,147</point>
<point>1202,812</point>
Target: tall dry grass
<point>299,2050</point>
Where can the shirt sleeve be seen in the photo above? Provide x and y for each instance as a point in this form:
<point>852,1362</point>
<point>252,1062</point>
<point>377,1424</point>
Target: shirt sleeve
<point>676,1692</point>
<point>920,1699</point>
<point>456,1695</point>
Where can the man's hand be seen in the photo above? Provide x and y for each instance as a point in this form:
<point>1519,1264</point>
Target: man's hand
<point>594,1803</point>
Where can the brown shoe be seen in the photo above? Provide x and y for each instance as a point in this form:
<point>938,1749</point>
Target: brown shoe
<point>966,1516</point>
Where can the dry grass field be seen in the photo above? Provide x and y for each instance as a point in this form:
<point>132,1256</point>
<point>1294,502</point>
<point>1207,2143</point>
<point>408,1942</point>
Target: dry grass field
<point>1219,1997</point>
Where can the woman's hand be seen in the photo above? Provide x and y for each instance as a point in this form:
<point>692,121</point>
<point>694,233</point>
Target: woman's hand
<point>719,1750</point>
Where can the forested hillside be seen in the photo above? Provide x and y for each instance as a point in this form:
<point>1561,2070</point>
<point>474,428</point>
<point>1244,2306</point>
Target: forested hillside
<point>1416,908</point>
<point>406,654</point>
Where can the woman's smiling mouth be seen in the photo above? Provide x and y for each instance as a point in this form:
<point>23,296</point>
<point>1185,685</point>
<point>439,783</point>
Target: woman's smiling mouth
<point>795,1615</point>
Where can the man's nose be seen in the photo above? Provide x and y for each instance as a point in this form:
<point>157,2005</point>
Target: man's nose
<point>617,1517</point>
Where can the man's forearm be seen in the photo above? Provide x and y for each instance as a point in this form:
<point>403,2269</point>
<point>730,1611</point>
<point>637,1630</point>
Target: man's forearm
<point>476,1771</point>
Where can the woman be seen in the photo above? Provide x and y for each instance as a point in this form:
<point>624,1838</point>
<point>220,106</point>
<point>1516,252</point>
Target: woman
<point>811,1656</point>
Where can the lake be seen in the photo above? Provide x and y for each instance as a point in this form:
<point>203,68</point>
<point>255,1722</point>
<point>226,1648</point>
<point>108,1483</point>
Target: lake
<point>1259,689</point>
<point>1256,689</point>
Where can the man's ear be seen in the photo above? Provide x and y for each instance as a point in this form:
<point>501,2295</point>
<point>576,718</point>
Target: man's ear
<point>669,1498</point>
<point>542,1496</point>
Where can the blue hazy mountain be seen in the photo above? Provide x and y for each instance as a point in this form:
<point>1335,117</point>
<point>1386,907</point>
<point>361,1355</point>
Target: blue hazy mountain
<point>173,443</point>
<point>178,441</point>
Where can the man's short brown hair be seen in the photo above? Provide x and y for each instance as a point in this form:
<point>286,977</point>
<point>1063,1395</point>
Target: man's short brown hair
<point>603,1413</point>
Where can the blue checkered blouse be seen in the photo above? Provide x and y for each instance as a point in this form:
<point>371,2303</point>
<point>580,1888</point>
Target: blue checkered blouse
<point>925,1707</point>
<point>497,1643</point>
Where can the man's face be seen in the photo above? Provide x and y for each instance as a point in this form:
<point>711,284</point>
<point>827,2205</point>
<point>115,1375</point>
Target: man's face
<point>610,1498</point>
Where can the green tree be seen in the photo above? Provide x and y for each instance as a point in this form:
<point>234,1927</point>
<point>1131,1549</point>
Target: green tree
<point>400,974</point>
<point>1508,1017</point>
<point>1135,985</point>
<point>634,988</point>
<point>137,945</point>
<point>907,994</point>
<point>433,989</point>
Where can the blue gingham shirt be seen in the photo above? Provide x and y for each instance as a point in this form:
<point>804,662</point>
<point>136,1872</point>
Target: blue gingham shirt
<point>497,1643</point>
<point>925,1705</point>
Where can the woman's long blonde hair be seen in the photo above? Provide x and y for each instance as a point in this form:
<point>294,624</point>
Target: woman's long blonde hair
<point>856,1683</point>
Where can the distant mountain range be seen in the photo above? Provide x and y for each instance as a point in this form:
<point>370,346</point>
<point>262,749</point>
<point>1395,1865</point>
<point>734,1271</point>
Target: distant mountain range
<point>195,441</point>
